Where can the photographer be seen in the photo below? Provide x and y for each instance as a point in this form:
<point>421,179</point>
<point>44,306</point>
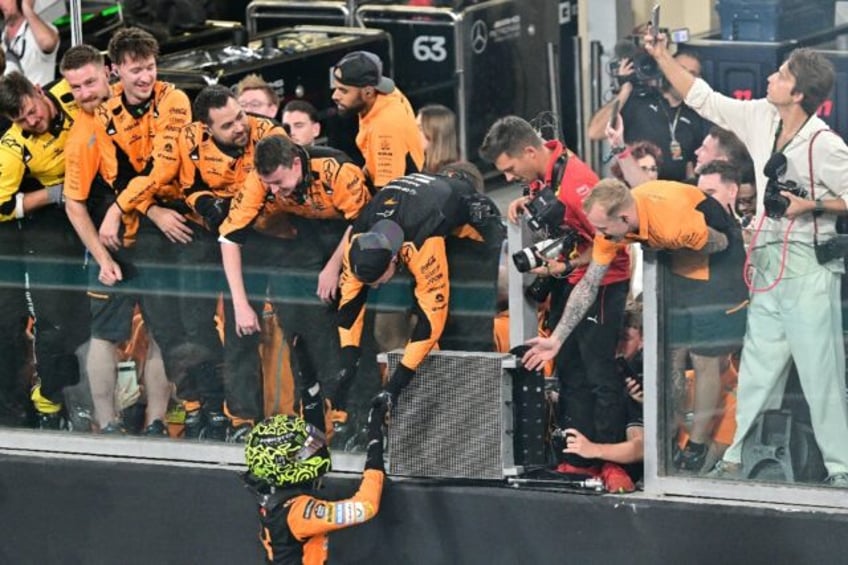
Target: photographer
<point>585,366</point>
<point>795,311</point>
<point>653,110</point>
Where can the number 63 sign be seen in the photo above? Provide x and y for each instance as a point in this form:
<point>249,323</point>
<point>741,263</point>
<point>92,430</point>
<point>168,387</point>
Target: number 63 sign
<point>429,48</point>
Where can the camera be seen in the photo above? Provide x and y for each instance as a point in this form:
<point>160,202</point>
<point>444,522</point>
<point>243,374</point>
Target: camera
<point>831,249</point>
<point>545,212</point>
<point>535,255</point>
<point>539,289</point>
<point>645,68</point>
<point>775,203</point>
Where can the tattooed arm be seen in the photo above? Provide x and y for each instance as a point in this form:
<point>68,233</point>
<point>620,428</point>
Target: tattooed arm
<point>581,299</point>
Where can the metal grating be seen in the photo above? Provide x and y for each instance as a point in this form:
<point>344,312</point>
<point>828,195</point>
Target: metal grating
<point>454,420</point>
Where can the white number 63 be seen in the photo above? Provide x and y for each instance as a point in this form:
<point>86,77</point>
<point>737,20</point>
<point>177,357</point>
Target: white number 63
<point>429,48</point>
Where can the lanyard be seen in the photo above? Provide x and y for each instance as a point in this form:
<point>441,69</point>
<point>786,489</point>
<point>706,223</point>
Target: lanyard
<point>774,148</point>
<point>672,124</point>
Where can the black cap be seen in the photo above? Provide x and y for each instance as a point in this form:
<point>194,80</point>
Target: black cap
<point>372,252</point>
<point>363,68</point>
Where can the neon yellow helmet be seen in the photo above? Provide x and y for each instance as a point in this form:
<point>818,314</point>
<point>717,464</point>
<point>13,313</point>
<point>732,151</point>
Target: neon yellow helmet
<point>285,450</point>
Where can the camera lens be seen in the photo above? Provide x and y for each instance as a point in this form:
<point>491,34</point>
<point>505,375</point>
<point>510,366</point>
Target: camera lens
<point>525,260</point>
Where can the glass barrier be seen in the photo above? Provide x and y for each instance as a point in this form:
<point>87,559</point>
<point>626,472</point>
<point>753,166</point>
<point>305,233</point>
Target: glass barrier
<point>164,356</point>
<point>750,375</point>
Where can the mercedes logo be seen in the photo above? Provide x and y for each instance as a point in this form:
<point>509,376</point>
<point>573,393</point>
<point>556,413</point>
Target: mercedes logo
<point>479,36</point>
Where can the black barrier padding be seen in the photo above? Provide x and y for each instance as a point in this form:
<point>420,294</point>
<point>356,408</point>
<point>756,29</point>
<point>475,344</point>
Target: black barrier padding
<point>81,512</point>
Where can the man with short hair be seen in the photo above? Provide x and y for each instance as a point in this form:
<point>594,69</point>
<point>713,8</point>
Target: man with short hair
<point>388,135</point>
<point>135,134</point>
<point>47,254</point>
<point>257,96</point>
<point>796,314</point>
<point>214,156</point>
<point>301,121</point>
<point>321,190</point>
<point>592,399</point>
<point>30,43</point>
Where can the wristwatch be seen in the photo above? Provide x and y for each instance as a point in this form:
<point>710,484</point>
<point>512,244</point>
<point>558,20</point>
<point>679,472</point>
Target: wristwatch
<point>818,208</point>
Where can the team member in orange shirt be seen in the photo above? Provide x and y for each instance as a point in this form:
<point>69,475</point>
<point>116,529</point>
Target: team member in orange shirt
<point>321,191</point>
<point>388,134</point>
<point>213,159</point>
<point>135,133</point>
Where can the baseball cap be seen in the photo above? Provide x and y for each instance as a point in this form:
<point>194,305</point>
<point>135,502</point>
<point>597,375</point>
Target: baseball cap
<point>371,252</point>
<point>363,68</point>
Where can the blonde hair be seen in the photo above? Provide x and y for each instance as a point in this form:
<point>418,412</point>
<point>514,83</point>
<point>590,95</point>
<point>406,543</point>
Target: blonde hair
<point>256,82</point>
<point>438,123</point>
<point>610,194</point>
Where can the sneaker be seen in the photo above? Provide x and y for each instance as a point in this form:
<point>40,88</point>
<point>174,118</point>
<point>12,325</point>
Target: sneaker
<point>217,426</point>
<point>569,469</point>
<point>49,421</point>
<point>838,480</point>
<point>238,434</point>
<point>42,404</point>
<point>193,424</point>
<point>157,428</point>
<point>725,470</point>
<point>616,479</point>
<point>691,458</point>
<point>113,429</point>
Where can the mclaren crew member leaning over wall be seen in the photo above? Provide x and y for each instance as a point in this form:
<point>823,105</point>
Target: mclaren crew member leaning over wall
<point>215,154</point>
<point>40,241</point>
<point>406,226</point>
<point>320,190</point>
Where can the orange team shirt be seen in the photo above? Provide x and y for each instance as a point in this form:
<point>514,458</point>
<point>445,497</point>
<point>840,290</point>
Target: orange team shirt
<point>337,191</point>
<point>137,155</point>
<point>206,170</point>
<point>310,519</point>
<point>668,219</point>
<point>82,160</point>
<point>389,140</point>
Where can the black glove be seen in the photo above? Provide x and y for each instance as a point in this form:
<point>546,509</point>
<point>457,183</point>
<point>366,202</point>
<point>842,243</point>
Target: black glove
<point>350,364</point>
<point>374,451</point>
<point>399,379</point>
<point>214,210</point>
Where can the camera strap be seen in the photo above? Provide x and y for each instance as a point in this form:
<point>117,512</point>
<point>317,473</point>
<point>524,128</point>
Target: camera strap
<point>558,171</point>
<point>813,181</point>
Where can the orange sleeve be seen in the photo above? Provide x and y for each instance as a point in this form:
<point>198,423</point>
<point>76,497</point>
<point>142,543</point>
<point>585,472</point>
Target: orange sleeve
<point>429,267</point>
<point>310,516</point>
<point>351,315</point>
<point>604,250</point>
<point>350,192</point>
<point>174,113</point>
<point>82,158</point>
<point>188,172</point>
<point>244,209</point>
